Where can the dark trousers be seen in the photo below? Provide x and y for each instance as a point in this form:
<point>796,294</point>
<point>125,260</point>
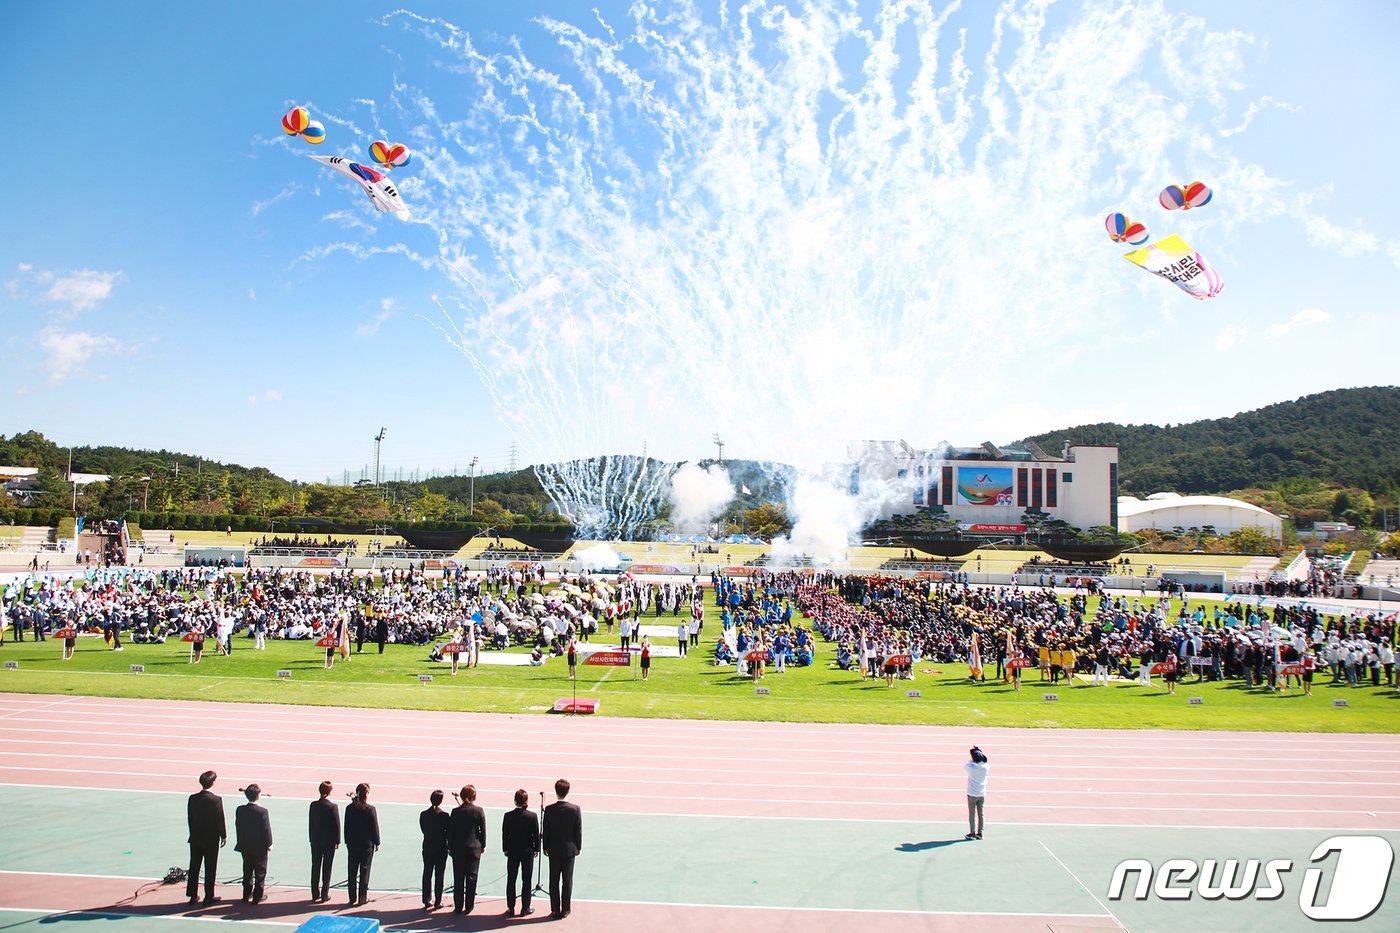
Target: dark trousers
<point>322,858</point>
<point>358,880</point>
<point>209,856</point>
<point>561,882</point>
<point>434,867</point>
<point>464,869</point>
<point>254,874</point>
<point>522,867</point>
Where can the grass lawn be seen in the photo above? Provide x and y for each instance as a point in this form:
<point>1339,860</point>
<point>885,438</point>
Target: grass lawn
<point>684,688</point>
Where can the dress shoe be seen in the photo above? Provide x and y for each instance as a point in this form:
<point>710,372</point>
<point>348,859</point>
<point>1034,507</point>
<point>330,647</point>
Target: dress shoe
<point>362,902</point>
<point>211,900</point>
<point>563,914</point>
<point>527,911</point>
<point>437,905</point>
<point>194,900</point>
<point>510,911</point>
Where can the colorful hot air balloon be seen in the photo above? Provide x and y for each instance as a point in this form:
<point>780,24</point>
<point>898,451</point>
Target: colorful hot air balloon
<point>379,151</point>
<point>1185,197</point>
<point>1122,230</point>
<point>314,133</point>
<point>295,121</point>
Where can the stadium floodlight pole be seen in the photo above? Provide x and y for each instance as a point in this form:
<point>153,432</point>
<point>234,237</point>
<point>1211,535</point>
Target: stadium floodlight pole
<point>378,440</point>
<point>471,495</point>
<point>720,444</point>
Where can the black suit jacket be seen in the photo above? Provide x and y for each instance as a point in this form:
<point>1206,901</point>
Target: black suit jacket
<point>361,828</point>
<point>520,833</point>
<point>254,829</point>
<point>206,817</point>
<point>433,822</point>
<point>466,830</point>
<point>324,823</point>
<point>563,829</point>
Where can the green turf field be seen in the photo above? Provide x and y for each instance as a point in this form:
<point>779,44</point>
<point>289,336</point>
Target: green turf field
<point>691,687</point>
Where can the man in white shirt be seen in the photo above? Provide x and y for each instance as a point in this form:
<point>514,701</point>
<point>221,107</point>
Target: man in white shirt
<point>977,770</point>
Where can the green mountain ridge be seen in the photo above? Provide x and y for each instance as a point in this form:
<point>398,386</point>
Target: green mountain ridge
<point>1345,436</point>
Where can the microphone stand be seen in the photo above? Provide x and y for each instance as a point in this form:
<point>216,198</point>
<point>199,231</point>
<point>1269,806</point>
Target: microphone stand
<point>539,887</point>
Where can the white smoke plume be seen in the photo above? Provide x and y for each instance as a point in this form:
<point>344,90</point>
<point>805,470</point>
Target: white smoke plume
<point>598,557</point>
<point>698,494</point>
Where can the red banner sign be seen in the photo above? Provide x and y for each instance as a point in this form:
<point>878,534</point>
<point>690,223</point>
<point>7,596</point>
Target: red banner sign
<point>1019,663</point>
<point>328,641</point>
<point>756,655</point>
<point>609,658</point>
<point>196,635</point>
<point>1165,667</point>
<point>998,529</point>
<point>67,631</point>
<point>1291,669</point>
<point>898,660</point>
<point>454,647</point>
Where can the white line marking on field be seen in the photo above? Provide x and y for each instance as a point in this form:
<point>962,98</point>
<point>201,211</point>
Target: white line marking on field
<point>1084,886</point>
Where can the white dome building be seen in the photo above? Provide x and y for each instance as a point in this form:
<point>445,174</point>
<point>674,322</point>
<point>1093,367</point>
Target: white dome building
<point>1167,510</point>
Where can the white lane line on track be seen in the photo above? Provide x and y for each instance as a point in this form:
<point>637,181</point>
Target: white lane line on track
<point>309,738</point>
<point>372,767</point>
<point>1087,889</point>
<point>789,800</point>
<point>446,757</point>
<point>1039,739</point>
<point>40,708</point>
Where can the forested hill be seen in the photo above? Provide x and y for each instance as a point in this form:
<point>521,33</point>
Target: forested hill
<point>1348,436</point>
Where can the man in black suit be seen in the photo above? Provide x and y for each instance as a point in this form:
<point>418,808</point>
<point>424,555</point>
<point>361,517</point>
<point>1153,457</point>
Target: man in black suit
<point>563,841</point>
<point>520,838</point>
<point>381,631</point>
<point>466,838</point>
<point>253,831</point>
<point>324,829</point>
<point>434,822</point>
<point>208,833</point>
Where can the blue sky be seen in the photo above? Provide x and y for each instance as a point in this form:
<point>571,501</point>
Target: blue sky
<point>176,276</point>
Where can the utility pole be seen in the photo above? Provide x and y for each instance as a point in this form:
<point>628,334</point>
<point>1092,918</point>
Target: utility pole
<point>378,440</point>
<point>471,496</point>
<point>720,444</point>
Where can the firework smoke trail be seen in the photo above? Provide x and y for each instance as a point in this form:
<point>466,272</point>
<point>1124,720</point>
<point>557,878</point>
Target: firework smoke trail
<point>789,221</point>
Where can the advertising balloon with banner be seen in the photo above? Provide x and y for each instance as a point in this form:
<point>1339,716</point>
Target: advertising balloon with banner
<point>1179,264</point>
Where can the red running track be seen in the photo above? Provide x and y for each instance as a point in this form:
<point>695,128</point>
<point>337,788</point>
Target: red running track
<point>725,769</point>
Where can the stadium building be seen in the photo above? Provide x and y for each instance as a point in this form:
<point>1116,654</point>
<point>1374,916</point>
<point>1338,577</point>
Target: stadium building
<point>988,489</point>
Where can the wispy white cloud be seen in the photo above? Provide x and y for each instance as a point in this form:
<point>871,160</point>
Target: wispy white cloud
<point>1308,317</point>
<point>25,267</point>
<point>270,395</point>
<point>67,352</point>
<point>387,310</point>
<point>252,295</point>
<point>1231,337</point>
<point>82,290</point>
<point>1237,334</point>
<point>287,191</point>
